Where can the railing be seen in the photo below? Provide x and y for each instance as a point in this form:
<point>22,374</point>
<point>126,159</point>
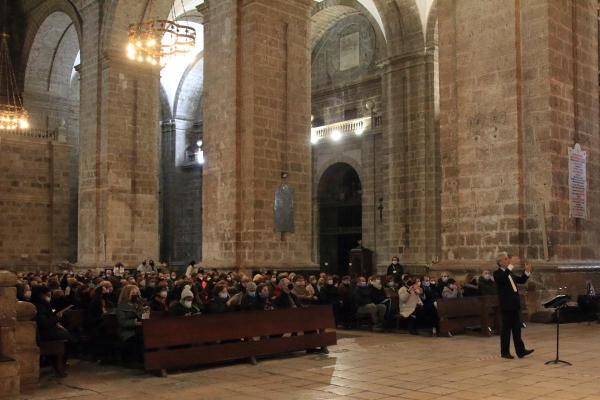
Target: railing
<point>43,134</point>
<point>356,126</point>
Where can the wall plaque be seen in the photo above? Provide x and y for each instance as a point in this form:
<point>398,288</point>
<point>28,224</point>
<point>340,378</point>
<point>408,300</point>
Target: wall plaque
<point>350,51</point>
<point>577,182</point>
<point>284,209</point>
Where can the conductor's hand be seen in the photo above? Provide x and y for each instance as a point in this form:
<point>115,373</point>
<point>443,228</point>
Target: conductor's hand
<point>528,267</point>
<point>515,260</point>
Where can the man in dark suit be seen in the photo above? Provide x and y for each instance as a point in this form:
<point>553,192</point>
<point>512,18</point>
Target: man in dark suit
<point>510,304</point>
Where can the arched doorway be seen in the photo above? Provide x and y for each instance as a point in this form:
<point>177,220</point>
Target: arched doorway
<point>340,217</point>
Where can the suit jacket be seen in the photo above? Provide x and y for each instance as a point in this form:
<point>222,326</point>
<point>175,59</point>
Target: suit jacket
<point>508,299</point>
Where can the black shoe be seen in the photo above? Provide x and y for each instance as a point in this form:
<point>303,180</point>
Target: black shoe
<point>508,356</point>
<point>526,353</point>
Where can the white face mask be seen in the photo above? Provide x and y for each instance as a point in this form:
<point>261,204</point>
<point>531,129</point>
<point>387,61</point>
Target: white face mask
<point>330,282</point>
<point>378,281</point>
<point>27,294</point>
<point>163,294</point>
<point>187,304</point>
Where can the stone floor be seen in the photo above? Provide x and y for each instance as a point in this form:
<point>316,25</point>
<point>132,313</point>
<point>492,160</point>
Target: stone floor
<point>365,365</point>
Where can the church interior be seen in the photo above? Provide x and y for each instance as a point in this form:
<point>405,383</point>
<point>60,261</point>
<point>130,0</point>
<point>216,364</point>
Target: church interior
<point>306,136</point>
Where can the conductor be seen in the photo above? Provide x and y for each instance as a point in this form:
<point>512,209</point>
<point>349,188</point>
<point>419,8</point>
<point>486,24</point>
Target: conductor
<point>510,304</point>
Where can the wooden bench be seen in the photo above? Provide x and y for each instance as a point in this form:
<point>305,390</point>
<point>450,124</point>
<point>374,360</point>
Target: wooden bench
<point>55,349</point>
<point>183,342</point>
<point>482,312</point>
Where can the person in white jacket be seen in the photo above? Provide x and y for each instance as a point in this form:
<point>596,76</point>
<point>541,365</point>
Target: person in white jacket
<point>191,269</point>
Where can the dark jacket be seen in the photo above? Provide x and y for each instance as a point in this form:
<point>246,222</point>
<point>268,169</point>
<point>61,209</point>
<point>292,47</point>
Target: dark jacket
<point>487,288</point>
<point>95,325</point>
<point>260,303</point>
<point>329,295</point>
<point>282,301</point>
<point>396,271</point>
<point>246,302</point>
<point>377,295</point>
<point>345,292</point>
<point>156,305</point>
<point>46,320</point>
<point>179,309</point>
<point>508,299</point>
<point>127,315</point>
<point>362,296</point>
<point>218,305</point>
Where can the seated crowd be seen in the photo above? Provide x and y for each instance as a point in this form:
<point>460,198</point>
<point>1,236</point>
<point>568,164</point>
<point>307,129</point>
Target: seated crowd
<point>149,288</point>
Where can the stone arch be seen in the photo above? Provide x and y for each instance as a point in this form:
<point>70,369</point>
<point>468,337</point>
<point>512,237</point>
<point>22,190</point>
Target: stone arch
<point>339,158</point>
<point>165,108</point>
<point>330,12</point>
<point>49,68</point>
<point>431,32</point>
<point>403,27</point>
<point>40,14</point>
<point>189,92</point>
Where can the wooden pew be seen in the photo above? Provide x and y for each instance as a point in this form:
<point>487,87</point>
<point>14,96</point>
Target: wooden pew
<point>482,312</point>
<point>55,349</point>
<point>197,340</point>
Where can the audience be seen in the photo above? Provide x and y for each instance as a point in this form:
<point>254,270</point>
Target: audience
<point>487,286</point>
<point>365,304</point>
<point>131,293</point>
<point>452,290</point>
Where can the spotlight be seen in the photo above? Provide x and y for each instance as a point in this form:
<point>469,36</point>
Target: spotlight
<point>336,135</point>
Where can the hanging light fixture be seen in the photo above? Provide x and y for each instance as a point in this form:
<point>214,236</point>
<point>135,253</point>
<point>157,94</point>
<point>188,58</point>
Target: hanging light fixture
<point>156,41</point>
<point>12,114</point>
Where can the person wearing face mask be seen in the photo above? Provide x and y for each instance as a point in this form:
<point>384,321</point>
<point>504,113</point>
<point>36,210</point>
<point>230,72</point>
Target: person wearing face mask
<point>221,301</point>
<point>129,317</point>
<point>487,286</point>
<point>158,300</point>
<point>262,300</point>
<point>304,292</point>
<point>364,303</point>
<point>442,282</point>
<point>470,286</point>
<point>48,322</point>
<point>286,299</point>
<point>248,297</point>
<point>186,306</point>
<point>452,290</point>
<point>411,303</point>
<point>395,269</point>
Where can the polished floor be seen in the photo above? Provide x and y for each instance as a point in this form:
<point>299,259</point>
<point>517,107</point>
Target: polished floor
<point>365,365</point>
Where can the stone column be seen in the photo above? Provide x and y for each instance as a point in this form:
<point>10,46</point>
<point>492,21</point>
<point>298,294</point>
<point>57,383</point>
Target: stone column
<point>60,175</point>
<point>9,370</point>
<point>118,189</point>
<point>410,226</point>
<point>256,125</point>
<point>28,352</point>
<point>508,115</point>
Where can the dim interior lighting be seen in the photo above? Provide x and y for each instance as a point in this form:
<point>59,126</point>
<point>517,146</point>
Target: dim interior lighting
<point>12,113</point>
<point>360,131</point>
<point>159,40</point>
<point>336,135</point>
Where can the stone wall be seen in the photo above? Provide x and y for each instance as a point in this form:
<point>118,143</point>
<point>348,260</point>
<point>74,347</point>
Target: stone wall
<point>508,115</point>
<point>34,202</point>
<point>9,370</point>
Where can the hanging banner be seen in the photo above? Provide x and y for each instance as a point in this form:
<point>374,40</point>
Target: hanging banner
<point>577,182</point>
<point>284,209</point>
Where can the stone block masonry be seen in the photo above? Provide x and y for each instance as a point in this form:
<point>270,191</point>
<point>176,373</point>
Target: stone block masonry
<point>34,202</point>
<point>256,125</point>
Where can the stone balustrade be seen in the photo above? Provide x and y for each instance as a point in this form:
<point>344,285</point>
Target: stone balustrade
<point>353,126</point>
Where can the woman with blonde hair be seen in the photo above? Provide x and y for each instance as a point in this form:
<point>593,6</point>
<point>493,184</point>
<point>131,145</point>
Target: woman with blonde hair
<point>129,316</point>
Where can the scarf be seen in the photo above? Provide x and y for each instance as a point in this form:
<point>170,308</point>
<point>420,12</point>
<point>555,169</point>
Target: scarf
<point>376,286</point>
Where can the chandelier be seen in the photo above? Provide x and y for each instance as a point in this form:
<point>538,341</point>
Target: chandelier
<point>156,41</point>
<point>12,113</point>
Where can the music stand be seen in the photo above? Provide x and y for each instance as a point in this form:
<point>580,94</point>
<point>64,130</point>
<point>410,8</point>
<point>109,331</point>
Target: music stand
<point>557,303</point>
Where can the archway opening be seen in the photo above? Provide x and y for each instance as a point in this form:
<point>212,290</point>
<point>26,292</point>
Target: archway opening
<point>340,217</point>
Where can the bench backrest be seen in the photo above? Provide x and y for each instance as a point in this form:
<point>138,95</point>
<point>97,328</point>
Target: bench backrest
<point>170,342</point>
<point>230,326</point>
